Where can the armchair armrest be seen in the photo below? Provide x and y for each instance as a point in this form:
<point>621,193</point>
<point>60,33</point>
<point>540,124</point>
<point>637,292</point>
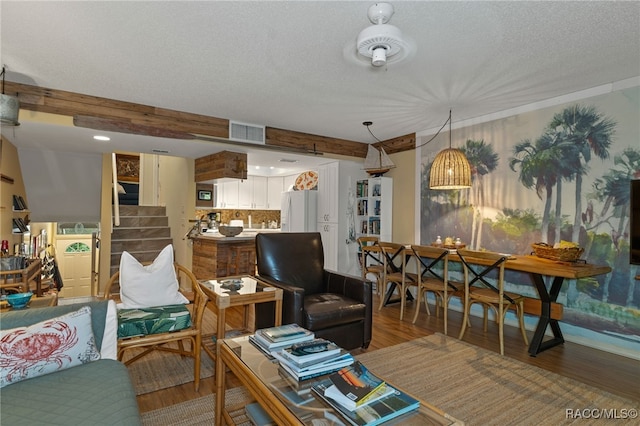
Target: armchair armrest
<point>291,296</point>
<point>351,286</point>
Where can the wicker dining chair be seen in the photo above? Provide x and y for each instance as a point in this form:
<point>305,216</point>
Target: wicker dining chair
<point>371,259</point>
<point>479,288</point>
<point>428,262</point>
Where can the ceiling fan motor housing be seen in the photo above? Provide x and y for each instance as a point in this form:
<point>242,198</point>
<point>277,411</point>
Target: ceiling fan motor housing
<point>381,40</point>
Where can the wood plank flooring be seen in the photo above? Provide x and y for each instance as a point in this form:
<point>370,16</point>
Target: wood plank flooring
<point>613,373</point>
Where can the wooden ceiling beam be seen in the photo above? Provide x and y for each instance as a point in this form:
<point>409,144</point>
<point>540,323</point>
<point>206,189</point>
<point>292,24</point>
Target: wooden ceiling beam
<point>128,117</point>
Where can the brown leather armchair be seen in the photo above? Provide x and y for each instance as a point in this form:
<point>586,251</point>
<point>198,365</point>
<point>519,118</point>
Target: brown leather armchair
<point>334,306</point>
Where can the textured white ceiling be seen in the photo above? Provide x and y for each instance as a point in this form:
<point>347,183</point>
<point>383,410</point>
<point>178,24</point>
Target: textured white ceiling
<point>290,64</point>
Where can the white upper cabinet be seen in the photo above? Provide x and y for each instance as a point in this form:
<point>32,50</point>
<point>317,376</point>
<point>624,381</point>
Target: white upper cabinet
<point>275,187</point>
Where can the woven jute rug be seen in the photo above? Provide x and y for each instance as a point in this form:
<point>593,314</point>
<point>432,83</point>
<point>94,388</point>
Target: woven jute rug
<point>200,411</point>
<point>161,370</point>
<point>474,385</point>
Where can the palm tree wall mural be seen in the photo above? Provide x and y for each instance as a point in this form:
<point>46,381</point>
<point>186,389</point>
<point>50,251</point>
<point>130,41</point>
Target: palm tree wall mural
<point>558,173</point>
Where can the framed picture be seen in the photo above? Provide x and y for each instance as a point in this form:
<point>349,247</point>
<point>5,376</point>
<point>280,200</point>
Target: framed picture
<point>204,195</point>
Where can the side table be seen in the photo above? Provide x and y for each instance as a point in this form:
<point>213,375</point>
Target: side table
<point>253,291</point>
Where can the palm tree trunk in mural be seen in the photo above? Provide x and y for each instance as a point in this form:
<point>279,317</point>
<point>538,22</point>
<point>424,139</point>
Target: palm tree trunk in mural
<point>590,133</point>
<point>483,160</point>
<point>558,217</point>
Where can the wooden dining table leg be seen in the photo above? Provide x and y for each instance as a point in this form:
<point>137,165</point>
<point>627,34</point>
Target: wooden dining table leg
<point>546,298</point>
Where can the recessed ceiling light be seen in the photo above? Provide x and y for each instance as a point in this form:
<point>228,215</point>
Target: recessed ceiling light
<point>102,138</point>
<point>257,167</point>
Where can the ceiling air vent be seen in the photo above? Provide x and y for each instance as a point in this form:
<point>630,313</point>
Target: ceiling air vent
<point>243,132</point>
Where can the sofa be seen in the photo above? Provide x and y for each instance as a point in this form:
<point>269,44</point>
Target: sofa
<point>336,307</point>
<point>97,391</point>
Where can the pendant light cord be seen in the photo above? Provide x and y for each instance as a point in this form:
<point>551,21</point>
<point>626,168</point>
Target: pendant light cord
<point>438,132</point>
<point>3,80</point>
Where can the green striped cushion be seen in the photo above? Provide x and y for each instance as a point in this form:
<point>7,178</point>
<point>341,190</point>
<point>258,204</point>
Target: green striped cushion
<point>145,321</point>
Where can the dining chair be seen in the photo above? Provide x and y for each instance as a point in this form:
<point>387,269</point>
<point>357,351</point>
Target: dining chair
<point>371,259</point>
<point>155,335</point>
<point>395,276</point>
<point>479,287</point>
<point>432,265</point>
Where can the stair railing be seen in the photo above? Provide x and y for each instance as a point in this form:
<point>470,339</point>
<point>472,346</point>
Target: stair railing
<point>116,202</point>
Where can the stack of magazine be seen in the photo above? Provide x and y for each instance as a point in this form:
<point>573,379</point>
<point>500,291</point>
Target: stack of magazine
<point>299,353</point>
<point>312,358</point>
<point>363,398</point>
<point>276,338</point>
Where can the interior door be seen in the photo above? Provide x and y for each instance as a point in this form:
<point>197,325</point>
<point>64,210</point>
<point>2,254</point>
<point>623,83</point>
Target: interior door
<point>73,254</point>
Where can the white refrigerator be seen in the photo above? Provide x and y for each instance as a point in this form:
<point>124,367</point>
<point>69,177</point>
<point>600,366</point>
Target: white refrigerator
<point>299,211</point>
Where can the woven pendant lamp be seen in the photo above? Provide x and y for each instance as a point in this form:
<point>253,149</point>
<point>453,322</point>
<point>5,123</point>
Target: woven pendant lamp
<point>450,168</point>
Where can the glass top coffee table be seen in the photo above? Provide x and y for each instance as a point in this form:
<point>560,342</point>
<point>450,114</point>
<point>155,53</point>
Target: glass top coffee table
<point>286,400</point>
<point>242,291</point>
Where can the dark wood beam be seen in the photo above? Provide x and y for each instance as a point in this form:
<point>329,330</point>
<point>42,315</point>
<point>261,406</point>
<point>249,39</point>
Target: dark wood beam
<point>127,117</point>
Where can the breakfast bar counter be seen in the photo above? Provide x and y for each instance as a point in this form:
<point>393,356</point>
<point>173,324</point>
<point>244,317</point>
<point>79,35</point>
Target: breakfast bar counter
<point>215,255</point>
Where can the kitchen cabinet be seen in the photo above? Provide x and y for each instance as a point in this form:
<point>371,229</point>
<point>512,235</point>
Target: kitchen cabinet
<point>328,192</point>
<point>329,235</point>
<point>275,187</point>
<point>289,182</point>
<point>252,193</point>
<point>336,214</point>
<point>227,194</point>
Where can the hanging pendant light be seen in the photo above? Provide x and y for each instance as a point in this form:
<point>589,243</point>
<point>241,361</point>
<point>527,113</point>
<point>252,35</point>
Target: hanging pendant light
<point>9,107</point>
<point>450,168</point>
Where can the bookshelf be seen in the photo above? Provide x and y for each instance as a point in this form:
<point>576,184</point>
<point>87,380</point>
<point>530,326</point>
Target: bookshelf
<point>374,206</point>
<point>19,224</point>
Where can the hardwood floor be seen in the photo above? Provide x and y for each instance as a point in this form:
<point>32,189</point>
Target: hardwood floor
<point>613,373</point>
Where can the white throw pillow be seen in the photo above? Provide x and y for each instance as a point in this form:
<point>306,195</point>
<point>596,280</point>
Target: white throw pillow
<point>152,285</point>
<point>121,189</point>
<point>46,347</point>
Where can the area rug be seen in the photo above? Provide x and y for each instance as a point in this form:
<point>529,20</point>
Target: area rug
<point>159,370</point>
<point>481,387</point>
<point>474,385</point>
<point>200,411</point>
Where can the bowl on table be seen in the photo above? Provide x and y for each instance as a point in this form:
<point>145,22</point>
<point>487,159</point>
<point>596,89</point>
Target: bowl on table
<point>19,300</point>
<point>230,231</point>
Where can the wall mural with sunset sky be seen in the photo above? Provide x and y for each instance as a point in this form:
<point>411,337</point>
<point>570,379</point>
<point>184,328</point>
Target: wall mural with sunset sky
<point>560,173</point>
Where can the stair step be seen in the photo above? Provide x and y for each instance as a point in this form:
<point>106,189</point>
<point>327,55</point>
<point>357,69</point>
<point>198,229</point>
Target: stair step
<point>143,221</point>
<point>143,232</point>
<point>140,233</point>
<point>142,211</point>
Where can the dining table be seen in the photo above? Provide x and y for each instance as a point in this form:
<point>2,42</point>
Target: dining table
<point>556,271</point>
<point>542,270</point>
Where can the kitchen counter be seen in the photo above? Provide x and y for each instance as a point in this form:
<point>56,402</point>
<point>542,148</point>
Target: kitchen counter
<point>247,233</point>
<point>216,256</point>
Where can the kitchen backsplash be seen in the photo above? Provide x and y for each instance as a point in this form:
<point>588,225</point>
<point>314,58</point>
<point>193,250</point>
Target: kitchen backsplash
<point>257,216</point>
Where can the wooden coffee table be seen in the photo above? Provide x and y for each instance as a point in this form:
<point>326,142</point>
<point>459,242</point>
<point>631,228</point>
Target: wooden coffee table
<point>287,401</point>
<point>252,291</point>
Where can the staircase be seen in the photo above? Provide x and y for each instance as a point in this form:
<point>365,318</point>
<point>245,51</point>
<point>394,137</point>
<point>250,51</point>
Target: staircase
<point>143,232</point>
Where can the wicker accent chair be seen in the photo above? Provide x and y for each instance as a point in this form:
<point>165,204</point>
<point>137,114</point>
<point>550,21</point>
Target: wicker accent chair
<point>160,341</point>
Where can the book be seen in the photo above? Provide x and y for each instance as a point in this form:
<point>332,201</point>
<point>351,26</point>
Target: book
<point>293,354</point>
<point>317,370</point>
<point>284,332</point>
<point>334,393</point>
<point>269,345</point>
<point>356,384</point>
<point>374,413</point>
<point>258,416</point>
<point>339,358</point>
